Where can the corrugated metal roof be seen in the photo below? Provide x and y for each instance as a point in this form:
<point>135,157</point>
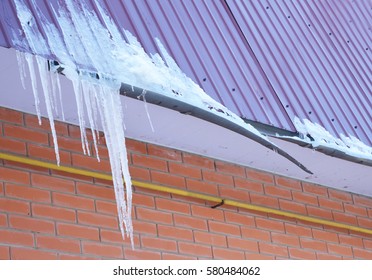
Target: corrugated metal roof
<point>267,61</point>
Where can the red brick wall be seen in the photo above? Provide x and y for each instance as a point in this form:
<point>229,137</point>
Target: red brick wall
<point>46,214</point>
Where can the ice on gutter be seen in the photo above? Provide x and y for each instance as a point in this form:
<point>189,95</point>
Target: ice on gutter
<point>98,58</point>
<point>318,137</point>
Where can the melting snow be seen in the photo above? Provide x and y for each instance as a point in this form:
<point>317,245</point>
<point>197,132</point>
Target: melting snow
<point>319,136</point>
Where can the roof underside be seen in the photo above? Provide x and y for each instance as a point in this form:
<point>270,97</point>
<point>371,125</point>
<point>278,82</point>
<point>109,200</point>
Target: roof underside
<point>267,61</point>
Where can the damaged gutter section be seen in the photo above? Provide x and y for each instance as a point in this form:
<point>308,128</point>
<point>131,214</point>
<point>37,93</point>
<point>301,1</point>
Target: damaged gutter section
<point>314,136</point>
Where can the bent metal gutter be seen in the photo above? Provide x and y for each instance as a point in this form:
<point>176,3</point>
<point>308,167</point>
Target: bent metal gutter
<point>186,193</point>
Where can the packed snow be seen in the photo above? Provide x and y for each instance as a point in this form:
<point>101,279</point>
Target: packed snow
<point>317,136</point>
<point>84,43</point>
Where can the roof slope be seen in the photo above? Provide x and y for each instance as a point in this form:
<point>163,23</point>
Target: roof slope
<point>267,62</point>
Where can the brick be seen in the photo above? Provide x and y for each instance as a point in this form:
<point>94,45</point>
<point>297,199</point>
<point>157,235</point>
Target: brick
<point>201,186</point>
<point>236,194</point>
<point>3,220</point>
<point>12,145</point>
<point>145,227</point>
<point>139,173</point>
<point>230,168</point>
<point>351,240</point>
<point>277,250</point>
<point>69,144</point>
<point>259,176</point>
<point>253,256</point>
<point>312,244</point>
<point>298,230</point>
<point>98,220</point>
<point>154,215</point>
<point>184,170</point>
<point>31,224</point>
<point>168,179</point>
<point>75,257</point>
<point>90,163</point>
<point>314,189</point>
<point>207,212</point>
<point>112,236</point>
<point>249,185</point>
<point>172,232</point>
<point>164,152</point>
<point>14,176</point>
<point>228,254</point>
<point>325,256</point>
<point>195,249</point>
<point>197,160</point>
<point>355,240</point>
<point>243,244</point>
<point>340,195</point>
<point>173,206</point>
<point>74,132</point>
<point>288,183</point>
<point>136,146</point>
<point>27,193</point>
<point>340,250</point>
<point>99,249</point>
<point>210,238</point>
<point>149,162</point>
<point>224,228</point>
<point>296,253</point>
<point>73,201</point>
<point>138,254</point>
<point>70,176</point>
<point>330,204</point>
<point>365,222</point>
<point>58,243</point>
<point>362,201</point>
<point>31,254</point>
<point>78,231</point>
<point>319,212</point>
<point>52,212</point>
<point>305,198</point>
<point>256,234</point>
<point>26,134</point>
<point>362,254</point>
<point>4,253</point>
<point>293,207</point>
<point>356,210</point>
<point>47,153</point>
<point>270,224</point>
<point>14,206</point>
<point>264,200</point>
<point>240,219</point>
<point>12,116</point>
<point>325,236</point>
<point>100,192</point>
<point>169,256</point>
<point>16,237</point>
<point>25,167</point>
<point>106,207</point>
<point>190,222</point>
<point>281,238</point>
<point>32,122</point>
<point>52,183</point>
<point>278,192</point>
<point>345,218</point>
<point>218,178</point>
<point>159,243</point>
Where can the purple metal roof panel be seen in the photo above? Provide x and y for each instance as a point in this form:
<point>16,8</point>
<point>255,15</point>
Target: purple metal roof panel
<point>267,61</point>
<point>317,57</point>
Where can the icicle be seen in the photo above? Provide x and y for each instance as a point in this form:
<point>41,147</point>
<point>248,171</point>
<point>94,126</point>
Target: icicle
<point>80,110</point>
<point>31,68</point>
<point>45,83</point>
<point>21,67</point>
<point>143,95</point>
<point>87,89</point>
